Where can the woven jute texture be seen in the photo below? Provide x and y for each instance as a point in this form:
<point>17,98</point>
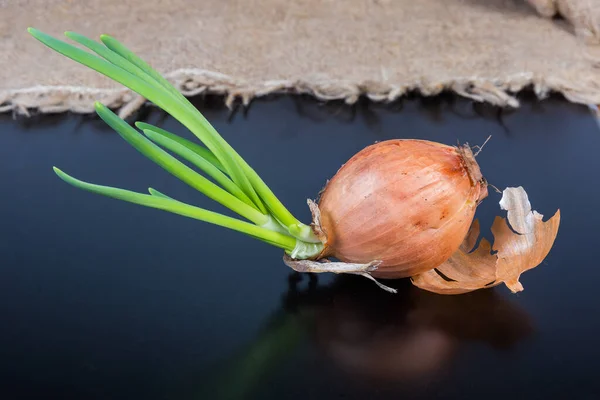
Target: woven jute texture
<point>487,50</point>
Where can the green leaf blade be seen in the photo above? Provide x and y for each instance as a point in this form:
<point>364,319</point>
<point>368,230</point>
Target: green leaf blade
<point>200,163</point>
<point>102,66</point>
<point>155,192</point>
<point>112,57</point>
<point>119,48</point>
<point>165,203</point>
<point>178,169</point>
<point>196,148</point>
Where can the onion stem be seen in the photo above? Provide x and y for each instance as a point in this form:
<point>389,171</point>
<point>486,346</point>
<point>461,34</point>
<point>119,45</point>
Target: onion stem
<point>241,188</point>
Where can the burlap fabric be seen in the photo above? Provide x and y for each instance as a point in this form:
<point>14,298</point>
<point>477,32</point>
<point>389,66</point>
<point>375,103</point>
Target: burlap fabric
<point>486,50</point>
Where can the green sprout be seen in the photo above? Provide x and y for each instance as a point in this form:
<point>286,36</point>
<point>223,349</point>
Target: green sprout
<point>237,186</point>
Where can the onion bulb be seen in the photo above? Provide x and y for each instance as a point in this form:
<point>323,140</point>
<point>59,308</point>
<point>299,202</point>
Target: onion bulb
<point>408,203</point>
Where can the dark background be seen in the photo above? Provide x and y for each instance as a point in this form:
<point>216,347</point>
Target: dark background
<point>102,299</point>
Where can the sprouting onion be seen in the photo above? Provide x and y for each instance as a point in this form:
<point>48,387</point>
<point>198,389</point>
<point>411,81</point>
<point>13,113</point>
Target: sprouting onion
<point>236,185</point>
<point>398,208</point>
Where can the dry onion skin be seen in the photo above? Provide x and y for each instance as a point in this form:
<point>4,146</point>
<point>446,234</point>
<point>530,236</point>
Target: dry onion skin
<point>515,251</point>
<point>399,208</point>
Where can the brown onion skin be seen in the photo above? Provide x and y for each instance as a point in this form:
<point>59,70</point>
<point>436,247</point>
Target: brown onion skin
<point>408,203</point>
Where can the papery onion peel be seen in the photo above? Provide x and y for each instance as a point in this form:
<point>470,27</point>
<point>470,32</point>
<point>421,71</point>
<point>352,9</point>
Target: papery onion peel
<point>515,251</point>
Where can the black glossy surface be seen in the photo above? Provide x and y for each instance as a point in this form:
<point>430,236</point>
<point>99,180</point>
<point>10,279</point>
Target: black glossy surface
<point>101,299</point>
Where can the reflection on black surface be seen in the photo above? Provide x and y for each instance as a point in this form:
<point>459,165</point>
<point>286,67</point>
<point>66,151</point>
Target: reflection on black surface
<point>371,335</point>
<point>411,335</point>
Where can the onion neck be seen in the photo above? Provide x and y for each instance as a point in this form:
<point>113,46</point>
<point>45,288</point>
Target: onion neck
<point>307,245</point>
<point>473,171</point>
<point>303,232</point>
<point>305,251</point>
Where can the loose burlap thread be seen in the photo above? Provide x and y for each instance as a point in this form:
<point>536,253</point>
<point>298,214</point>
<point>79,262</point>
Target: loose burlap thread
<point>486,50</point>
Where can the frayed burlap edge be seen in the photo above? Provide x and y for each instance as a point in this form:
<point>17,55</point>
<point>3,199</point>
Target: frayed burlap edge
<point>191,82</point>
